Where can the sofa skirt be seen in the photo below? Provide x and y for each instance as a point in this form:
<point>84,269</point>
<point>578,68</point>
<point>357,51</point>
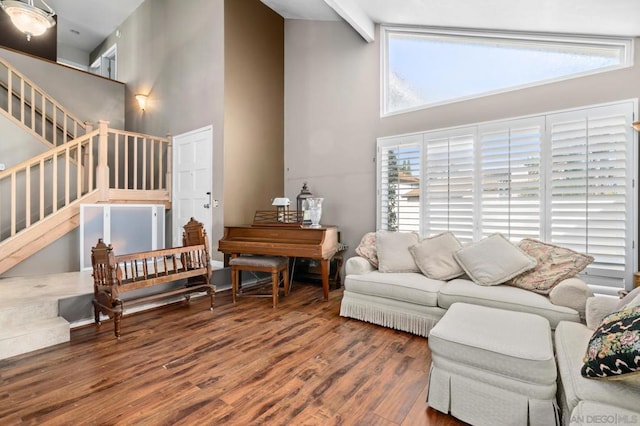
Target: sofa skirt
<point>396,314</point>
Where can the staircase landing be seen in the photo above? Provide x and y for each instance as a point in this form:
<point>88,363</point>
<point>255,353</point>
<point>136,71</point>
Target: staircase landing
<point>29,310</point>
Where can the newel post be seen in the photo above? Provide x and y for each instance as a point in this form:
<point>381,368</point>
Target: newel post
<point>86,167</point>
<point>102,173</point>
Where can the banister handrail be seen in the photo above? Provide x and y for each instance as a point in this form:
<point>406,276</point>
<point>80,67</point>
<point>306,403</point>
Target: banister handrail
<point>28,107</point>
<point>95,162</point>
<point>45,155</point>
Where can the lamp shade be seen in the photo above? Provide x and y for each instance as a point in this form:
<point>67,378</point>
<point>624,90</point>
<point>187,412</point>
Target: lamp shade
<point>142,101</point>
<point>636,126</point>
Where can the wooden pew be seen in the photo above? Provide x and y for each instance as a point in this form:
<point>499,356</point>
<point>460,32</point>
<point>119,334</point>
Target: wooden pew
<point>115,275</point>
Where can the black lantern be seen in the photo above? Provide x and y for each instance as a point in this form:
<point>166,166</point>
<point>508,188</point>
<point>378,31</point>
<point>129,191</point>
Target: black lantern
<point>301,205</point>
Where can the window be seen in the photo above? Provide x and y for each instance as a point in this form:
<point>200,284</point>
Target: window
<point>398,184</point>
<point>566,178</point>
<point>424,68</point>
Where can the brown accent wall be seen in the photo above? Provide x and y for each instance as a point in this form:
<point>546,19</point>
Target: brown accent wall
<point>253,109</point>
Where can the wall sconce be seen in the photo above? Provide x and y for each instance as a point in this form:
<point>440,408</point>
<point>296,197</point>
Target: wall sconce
<point>142,101</point>
<point>636,126</point>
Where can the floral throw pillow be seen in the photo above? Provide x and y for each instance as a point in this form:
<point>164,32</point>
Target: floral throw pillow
<point>367,248</point>
<point>614,348</point>
<point>554,265</point>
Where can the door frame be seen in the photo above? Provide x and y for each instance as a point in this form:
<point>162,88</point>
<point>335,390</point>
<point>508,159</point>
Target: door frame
<point>176,239</point>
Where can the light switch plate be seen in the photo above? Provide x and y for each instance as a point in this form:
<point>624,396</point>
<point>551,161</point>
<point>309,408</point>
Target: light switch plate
<point>1,167</point>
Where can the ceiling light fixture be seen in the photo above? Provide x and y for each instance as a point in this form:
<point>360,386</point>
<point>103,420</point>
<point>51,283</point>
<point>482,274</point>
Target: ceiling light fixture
<point>29,19</point>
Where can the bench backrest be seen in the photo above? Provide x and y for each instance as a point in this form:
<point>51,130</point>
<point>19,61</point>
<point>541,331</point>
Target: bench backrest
<point>194,255</point>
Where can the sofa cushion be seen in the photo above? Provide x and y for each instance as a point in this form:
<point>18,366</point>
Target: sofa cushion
<point>571,341</point>
<point>408,287</point>
<point>434,256</point>
<point>614,348</point>
<point>505,297</point>
<point>367,248</point>
<point>554,264</point>
<point>493,260</point>
<point>393,251</point>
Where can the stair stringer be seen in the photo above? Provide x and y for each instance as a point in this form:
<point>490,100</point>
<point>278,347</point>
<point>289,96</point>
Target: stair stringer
<point>27,129</point>
<point>39,235</point>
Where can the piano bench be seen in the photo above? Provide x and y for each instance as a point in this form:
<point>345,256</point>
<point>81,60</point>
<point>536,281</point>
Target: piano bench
<point>276,265</point>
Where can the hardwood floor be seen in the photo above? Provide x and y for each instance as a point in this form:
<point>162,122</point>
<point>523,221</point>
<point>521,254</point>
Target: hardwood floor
<point>299,364</point>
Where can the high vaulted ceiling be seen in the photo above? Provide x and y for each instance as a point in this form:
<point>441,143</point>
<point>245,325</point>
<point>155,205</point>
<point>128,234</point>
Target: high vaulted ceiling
<point>592,17</point>
<point>84,24</point>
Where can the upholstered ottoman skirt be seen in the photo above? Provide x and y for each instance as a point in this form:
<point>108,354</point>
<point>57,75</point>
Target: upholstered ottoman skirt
<point>493,367</point>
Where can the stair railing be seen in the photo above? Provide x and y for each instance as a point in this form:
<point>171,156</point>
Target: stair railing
<point>120,165</point>
<point>30,106</point>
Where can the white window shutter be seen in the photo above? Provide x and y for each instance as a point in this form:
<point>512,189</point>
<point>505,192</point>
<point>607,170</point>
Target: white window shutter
<point>591,190</point>
<point>449,183</point>
<point>510,178</point>
<point>565,178</point>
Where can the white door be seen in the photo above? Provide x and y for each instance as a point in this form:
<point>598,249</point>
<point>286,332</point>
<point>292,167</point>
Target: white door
<point>192,181</point>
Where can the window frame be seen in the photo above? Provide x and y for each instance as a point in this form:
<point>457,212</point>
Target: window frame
<point>626,43</point>
<point>601,281</point>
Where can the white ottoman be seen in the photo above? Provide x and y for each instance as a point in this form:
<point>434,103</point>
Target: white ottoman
<point>493,367</point>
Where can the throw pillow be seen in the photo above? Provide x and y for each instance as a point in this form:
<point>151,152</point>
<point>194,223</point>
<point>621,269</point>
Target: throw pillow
<point>554,265</point>
<point>614,348</point>
<point>393,251</point>
<point>434,256</point>
<point>367,248</point>
<point>493,260</point>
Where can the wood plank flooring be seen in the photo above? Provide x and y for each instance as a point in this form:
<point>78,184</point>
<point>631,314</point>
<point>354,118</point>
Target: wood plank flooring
<point>299,364</point>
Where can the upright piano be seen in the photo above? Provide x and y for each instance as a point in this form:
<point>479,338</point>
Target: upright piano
<point>294,241</point>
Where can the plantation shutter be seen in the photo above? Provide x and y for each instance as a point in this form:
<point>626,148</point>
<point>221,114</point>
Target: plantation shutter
<point>449,180</point>
<point>591,197</point>
<point>399,183</point>
<point>510,178</point>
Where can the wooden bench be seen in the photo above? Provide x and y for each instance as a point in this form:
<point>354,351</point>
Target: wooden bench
<point>114,275</point>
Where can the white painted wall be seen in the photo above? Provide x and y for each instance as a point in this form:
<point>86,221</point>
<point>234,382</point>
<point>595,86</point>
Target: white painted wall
<point>332,116</point>
<point>173,51</point>
<point>89,97</point>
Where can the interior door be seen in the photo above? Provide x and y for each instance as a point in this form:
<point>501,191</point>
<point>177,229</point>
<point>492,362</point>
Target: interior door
<point>192,181</point>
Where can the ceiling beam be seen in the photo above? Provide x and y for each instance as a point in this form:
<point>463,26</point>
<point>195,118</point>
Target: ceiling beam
<point>355,16</point>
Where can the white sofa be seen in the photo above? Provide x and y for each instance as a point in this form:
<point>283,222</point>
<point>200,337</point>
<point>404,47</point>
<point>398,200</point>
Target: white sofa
<point>411,302</point>
<point>587,401</point>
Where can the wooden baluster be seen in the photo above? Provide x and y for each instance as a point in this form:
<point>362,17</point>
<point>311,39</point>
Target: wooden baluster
<point>144,163</point>
<point>54,183</point>
<point>27,207</point>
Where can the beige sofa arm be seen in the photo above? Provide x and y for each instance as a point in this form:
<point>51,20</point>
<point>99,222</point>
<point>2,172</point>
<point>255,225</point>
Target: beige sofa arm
<point>357,265</point>
<point>572,293</point>
<point>599,307</point>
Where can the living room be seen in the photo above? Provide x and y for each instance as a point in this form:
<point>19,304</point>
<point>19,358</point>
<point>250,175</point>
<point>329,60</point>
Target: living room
<point>293,100</point>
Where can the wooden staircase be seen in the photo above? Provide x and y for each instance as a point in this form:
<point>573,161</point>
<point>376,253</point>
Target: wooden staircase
<point>40,198</point>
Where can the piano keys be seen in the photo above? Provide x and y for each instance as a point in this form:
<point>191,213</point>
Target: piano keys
<point>295,241</point>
